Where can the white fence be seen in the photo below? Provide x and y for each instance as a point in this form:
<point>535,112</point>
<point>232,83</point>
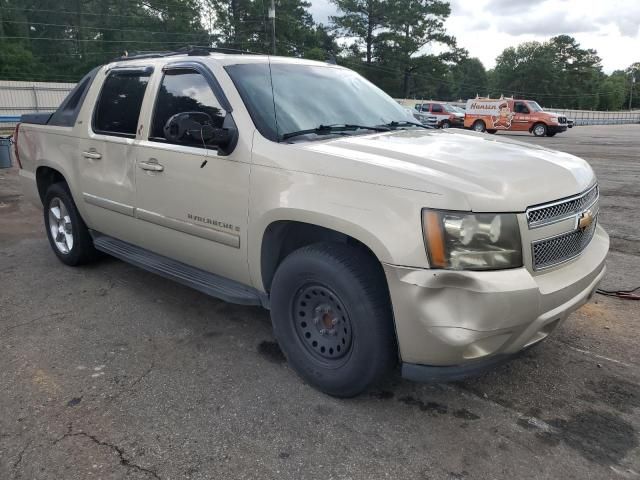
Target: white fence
<point>17,98</point>
<point>591,117</point>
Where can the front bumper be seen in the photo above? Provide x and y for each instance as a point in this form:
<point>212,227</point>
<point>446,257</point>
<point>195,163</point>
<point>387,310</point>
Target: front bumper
<point>462,320</point>
<point>556,128</point>
<point>457,122</point>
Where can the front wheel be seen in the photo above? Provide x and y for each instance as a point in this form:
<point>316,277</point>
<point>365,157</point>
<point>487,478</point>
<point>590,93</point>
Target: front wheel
<point>479,126</point>
<point>67,233</point>
<point>445,124</point>
<point>539,129</point>
<point>332,317</point>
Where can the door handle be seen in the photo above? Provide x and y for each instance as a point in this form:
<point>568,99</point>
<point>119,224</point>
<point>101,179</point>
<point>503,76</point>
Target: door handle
<point>152,165</point>
<point>92,154</point>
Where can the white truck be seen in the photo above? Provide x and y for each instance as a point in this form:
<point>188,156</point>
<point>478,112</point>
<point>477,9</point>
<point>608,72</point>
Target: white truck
<point>301,187</point>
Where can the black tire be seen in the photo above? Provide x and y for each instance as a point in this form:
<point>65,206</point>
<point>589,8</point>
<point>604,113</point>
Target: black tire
<point>81,250</point>
<point>445,124</point>
<point>323,285</point>
<point>479,126</point>
<point>539,130</point>
<point>492,131</point>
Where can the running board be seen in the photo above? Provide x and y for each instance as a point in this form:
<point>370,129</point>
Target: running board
<point>205,282</point>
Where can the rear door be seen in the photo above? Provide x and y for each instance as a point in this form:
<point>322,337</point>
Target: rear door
<point>107,153</point>
<point>191,200</point>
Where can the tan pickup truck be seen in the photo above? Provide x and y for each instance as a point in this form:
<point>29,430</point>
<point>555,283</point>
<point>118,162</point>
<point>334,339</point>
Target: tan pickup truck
<point>299,186</point>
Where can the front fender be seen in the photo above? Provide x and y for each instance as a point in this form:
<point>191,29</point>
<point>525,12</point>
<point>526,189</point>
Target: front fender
<point>385,219</point>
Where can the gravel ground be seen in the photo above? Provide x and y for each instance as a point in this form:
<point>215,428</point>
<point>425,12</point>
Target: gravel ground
<point>109,372</point>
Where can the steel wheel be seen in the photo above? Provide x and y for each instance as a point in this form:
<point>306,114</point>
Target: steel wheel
<point>479,126</point>
<point>60,225</point>
<point>322,324</point>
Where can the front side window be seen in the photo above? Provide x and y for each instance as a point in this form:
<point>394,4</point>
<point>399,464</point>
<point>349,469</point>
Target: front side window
<point>185,91</point>
<point>534,106</point>
<point>436,109</point>
<point>118,107</point>
<point>520,107</point>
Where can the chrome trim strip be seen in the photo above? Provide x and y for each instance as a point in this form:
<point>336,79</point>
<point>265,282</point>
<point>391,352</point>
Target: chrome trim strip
<point>542,223</point>
<point>112,205</point>
<point>207,233</point>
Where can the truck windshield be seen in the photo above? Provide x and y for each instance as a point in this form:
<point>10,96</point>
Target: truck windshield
<point>534,106</point>
<point>287,98</point>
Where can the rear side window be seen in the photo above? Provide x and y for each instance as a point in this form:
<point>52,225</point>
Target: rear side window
<point>67,113</point>
<point>119,104</point>
<point>184,91</point>
<point>437,108</point>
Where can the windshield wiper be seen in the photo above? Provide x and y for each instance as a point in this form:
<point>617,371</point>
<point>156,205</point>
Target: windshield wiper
<point>336,128</point>
<point>403,123</point>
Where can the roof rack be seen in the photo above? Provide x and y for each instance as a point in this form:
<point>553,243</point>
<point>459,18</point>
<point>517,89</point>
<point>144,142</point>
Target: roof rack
<point>191,50</point>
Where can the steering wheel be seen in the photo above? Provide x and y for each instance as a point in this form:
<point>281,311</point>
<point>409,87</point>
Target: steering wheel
<point>186,124</point>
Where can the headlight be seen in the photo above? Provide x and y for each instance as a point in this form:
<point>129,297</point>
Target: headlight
<point>468,241</point>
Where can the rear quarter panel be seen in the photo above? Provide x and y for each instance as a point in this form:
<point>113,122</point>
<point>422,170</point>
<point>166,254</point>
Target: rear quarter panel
<point>46,146</point>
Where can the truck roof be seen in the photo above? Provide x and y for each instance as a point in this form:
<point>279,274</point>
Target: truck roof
<point>207,55</point>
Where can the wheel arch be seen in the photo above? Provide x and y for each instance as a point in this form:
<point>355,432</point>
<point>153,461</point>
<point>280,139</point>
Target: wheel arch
<point>538,123</point>
<point>47,176</point>
<point>282,236</point>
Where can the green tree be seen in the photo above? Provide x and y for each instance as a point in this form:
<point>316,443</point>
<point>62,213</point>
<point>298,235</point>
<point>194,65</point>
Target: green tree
<point>556,72</point>
<point>633,88</point>
<point>361,19</point>
<point>613,91</point>
<point>411,26</point>
<point>469,78</point>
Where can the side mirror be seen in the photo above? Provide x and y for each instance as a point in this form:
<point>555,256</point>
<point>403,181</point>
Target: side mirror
<point>196,128</point>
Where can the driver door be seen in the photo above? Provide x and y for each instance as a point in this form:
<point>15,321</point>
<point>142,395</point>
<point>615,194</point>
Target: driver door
<point>521,118</point>
<point>191,201</point>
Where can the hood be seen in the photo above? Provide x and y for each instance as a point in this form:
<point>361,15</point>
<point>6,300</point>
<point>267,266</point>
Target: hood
<point>493,174</point>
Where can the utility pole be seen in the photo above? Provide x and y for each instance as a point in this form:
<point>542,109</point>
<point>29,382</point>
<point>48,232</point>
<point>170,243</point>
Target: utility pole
<point>633,83</point>
<point>272,16</point>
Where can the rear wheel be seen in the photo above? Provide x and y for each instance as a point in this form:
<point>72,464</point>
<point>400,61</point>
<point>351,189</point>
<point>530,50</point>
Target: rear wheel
<point>332,317</point>
<point>539,130</point>
<point>445,124</point>
<point>67,233</point>
<point>479,126</point>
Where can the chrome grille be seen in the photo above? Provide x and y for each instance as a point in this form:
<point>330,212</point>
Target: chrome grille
<point>548,213</point>
<point>561,248</point>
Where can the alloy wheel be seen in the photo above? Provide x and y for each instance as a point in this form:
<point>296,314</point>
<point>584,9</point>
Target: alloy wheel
<point>60,226</point>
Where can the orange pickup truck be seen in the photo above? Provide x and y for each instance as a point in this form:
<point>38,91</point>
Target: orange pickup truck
<point>491,115</point>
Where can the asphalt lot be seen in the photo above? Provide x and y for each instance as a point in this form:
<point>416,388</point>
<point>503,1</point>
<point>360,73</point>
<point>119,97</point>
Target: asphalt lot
<point>109,372</point>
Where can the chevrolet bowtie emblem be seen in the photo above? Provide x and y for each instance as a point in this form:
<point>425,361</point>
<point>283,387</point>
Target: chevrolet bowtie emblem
<point>585,220</point>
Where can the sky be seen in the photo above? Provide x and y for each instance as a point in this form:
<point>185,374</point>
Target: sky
<point>486,27</point>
